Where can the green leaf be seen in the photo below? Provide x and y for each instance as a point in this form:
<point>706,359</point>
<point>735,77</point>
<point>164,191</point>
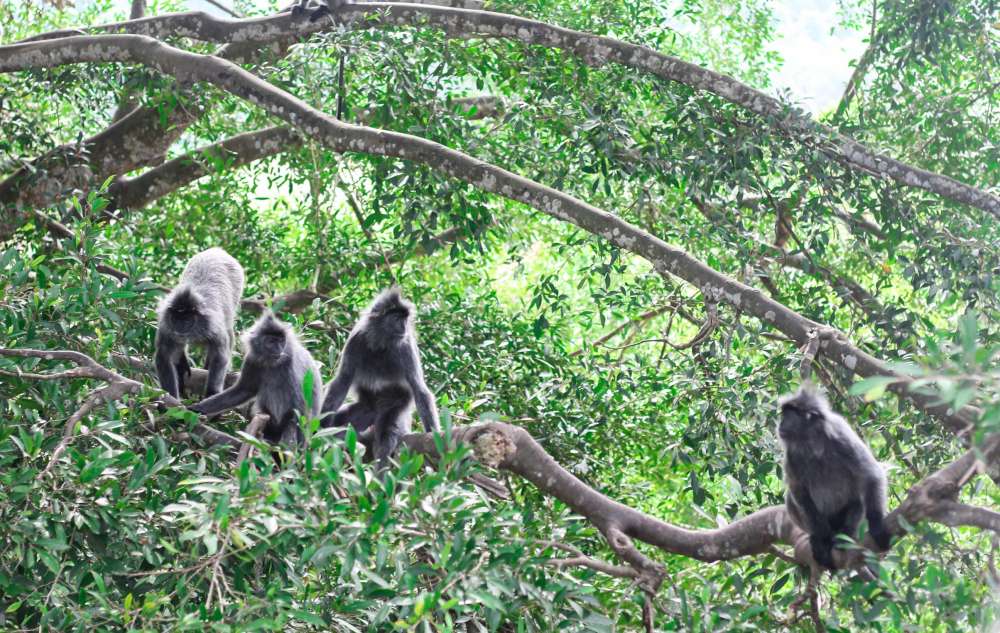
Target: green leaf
<point>872,388</point>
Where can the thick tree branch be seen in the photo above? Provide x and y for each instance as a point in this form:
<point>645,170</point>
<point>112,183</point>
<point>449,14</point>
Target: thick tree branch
<point>344,137</point>
<point>512,448</point>
<point>954,513</point>
<point>593,49</point>
<point>238,151</point>
<point>139,138</point>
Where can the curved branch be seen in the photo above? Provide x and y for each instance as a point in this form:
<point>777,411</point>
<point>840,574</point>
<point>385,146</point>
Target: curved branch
<point>592,49</point>
<point>954,513</point>
<point>137,139</point>
<point>512,448</point>
<point>344,137</point>
<point>238,151</point>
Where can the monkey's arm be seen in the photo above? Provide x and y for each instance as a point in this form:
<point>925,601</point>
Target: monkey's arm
<point>341,383</point>
<point>166,372</point>
<point>244,389</point>
<point>217,361</point>
<point>874,496</point>
<point>422,396</point>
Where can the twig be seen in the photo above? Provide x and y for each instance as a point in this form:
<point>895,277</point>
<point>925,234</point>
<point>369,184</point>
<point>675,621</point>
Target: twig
<point>809,351</point>
<point>257,423</point>
<point>809,596</point>
<point>707,327</point>
<point>642,318</point>
<point>356,208</point>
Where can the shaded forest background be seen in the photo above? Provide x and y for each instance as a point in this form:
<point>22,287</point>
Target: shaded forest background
<point>640,369</point>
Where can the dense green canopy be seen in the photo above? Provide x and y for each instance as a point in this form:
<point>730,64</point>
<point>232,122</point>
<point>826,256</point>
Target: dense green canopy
<point>625,255</point>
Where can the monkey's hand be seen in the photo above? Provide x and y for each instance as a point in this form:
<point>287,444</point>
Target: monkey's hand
<point>822,551</point>
<point>881,536</point>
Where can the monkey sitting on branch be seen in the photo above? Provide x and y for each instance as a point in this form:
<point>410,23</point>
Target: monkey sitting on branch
<point>275,366</point>
<point>382,362</point>
<point>200,310</point>
<point>832,478</point>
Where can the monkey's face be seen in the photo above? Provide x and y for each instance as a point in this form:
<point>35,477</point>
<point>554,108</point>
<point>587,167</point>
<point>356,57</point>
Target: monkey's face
<point>391,323</point>
<point>187,319</point>
<point>270,345</point>
<point>799,421</point>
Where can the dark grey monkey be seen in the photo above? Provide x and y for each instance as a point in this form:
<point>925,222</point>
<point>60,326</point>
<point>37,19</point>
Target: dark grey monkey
<point>200,310</point>
<point>275,365</point>
<point>382,362</point>
<point>832,478</point>
<point>317,8</point>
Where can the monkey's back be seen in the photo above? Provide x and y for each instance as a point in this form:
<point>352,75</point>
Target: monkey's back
<point>834,466</point>
<point>219,278</point>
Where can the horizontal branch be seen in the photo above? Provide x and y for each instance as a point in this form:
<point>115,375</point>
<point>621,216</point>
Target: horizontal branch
<point>954,513</point>
<point>512,448</point>
<point>344,137</point>
<point>118,387</point>
<point>593,49</point>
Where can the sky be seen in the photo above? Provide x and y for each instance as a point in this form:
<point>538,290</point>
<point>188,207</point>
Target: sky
<point>816,63</point>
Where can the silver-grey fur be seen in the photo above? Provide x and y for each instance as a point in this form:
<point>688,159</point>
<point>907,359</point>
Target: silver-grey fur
<point>200,310</point>
<point>275,365</point>
<point>381,361</point>
<point>832,478</point>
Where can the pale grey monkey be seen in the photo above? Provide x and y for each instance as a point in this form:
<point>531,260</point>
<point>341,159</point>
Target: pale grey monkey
<point>200,310</point>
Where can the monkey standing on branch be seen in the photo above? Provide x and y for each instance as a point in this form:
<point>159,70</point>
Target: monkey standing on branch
<point>275,365</point>
<point>832,478</point>
<point>200,310</point>
<point>317,8</point>
<point>381,361</point>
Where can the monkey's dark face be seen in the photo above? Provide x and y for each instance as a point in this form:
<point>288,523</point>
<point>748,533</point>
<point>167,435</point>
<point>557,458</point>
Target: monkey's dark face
<point>800,419</point>
<point>186,317</point>
<point>392,322</point>
<point>269,345</point>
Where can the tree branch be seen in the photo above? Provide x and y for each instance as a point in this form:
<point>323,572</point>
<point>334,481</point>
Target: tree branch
<point>592,49</point>
<point>238,151</point>
<point>118,387</point>
<point>140,138</point>
<point>512,448</point>
<point>343,137</point>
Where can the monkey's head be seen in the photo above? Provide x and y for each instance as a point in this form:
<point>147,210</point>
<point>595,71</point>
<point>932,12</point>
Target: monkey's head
<point>184,313</point>
<point>389,317</point>
<point>267,340</point>
<point>803,414</point>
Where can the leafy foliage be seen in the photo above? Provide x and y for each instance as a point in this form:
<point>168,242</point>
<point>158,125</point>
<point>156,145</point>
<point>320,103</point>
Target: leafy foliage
<point>138,527</point>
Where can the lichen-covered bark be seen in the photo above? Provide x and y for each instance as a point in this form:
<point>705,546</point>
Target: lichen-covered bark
<point>137,139</point>
<point>593,49</point>
<point>344,137</point>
